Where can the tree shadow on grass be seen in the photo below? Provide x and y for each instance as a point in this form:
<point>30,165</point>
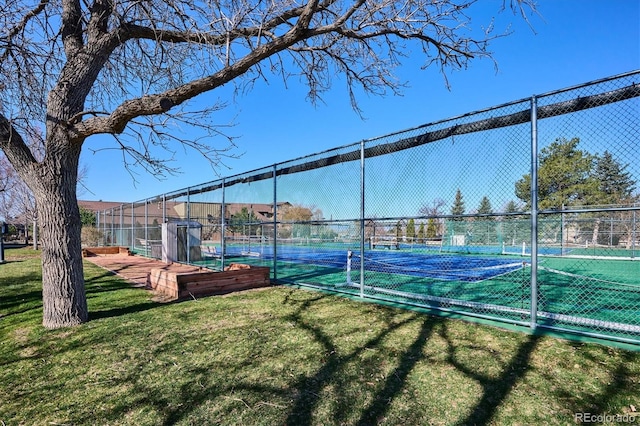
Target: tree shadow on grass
<point>20,294</point>
<point>306,390</point>
<point>304,393</point>
<point>495,390</point>
<point>309,388</point>
<point>124,310</point>
<point>97,286</point>
<point>396,380</point>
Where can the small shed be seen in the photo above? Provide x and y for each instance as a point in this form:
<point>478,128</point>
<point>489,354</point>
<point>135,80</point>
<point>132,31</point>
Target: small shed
<point>181,241</point>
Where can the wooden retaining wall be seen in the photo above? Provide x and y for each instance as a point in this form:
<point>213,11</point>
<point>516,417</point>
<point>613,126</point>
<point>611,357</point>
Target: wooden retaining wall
<point>105,251</point>
<point>183,285</point>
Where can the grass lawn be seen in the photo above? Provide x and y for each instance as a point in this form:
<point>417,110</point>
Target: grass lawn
<point>286,356</point>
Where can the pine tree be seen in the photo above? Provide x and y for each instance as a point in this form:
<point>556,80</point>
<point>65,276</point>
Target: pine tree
<point>421,234</point>
<point>458,205</point>
<point>432,229</point>
<point>411,230</point>
<point>516,228</point>
<point>564,177</point>
<point>399,230</point>
<point>511,207</point>
<point>485,206</point>
<point>615,183</point>
<point>615,186</point>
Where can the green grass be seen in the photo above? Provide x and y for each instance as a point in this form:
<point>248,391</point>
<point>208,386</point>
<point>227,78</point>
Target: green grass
<point>285,356</point>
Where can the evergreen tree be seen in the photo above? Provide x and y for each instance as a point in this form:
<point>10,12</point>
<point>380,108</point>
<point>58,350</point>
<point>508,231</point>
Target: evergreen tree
<point>411,230</point>
<point>564,177</point>
<point>399,230</point>
<point>458,205</point>
<point>87,217</point>
<point>485,206</point>
<point>516,229</point>
<point>615,186</point>
<point>615,183</point>
<point>244,222</point>
<point>421,234</point>
<point>432,229</point>
<point>511,207</point>
<point>568,176</point>
<point>484,227</point>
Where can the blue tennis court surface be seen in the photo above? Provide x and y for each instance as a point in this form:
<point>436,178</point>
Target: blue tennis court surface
<point>446,267</point>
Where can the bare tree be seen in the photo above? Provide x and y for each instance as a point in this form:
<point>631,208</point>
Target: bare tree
<point>127,68</point>
<point>16,199</point>
<point>8,182</point>
<point>433,209</point>
<point>435,224</point>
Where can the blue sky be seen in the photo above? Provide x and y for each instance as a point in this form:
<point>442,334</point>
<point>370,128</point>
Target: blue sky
<point>575,41</point>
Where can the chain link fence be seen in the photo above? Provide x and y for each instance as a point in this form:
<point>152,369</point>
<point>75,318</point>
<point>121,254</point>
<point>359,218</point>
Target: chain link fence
<point>526,213</point>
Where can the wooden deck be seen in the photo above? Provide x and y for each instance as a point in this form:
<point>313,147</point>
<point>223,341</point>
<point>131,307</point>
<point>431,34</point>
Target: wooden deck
<point>136,269</point>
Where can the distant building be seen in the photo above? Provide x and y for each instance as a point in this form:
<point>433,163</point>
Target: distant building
<point>203,212</point>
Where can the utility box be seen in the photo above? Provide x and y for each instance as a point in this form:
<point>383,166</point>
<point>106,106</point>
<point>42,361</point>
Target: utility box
<point>181,241</point>
<point>458,240</point>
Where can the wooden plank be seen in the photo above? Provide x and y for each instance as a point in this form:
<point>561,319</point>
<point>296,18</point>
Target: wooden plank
<point>180,285</point>
<point>224,283</point>
<point>102,251</point>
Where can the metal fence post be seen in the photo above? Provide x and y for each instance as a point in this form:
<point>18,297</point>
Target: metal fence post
<point>100,218</point>
<point>146,227</point>
<point>188,236</point>
<point>362,212</point>
<point>534,212</point>
<point>275,223</point>
<point>633,238</point>
<point>222,227</point>
<point>133,227</point>
<point>120,239</point>
<point>562,230</point>
<point>109,227</point>
<point>164,208</point>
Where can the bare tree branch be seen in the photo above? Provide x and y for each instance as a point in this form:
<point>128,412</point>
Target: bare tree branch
<point>175,50</point>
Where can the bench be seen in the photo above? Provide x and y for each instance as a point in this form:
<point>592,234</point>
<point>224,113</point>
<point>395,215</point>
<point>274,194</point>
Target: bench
<point>386,244</point>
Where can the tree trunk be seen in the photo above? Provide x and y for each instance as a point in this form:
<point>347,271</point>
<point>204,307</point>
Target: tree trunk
<point>63,292</point>
<point>596,231</point>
